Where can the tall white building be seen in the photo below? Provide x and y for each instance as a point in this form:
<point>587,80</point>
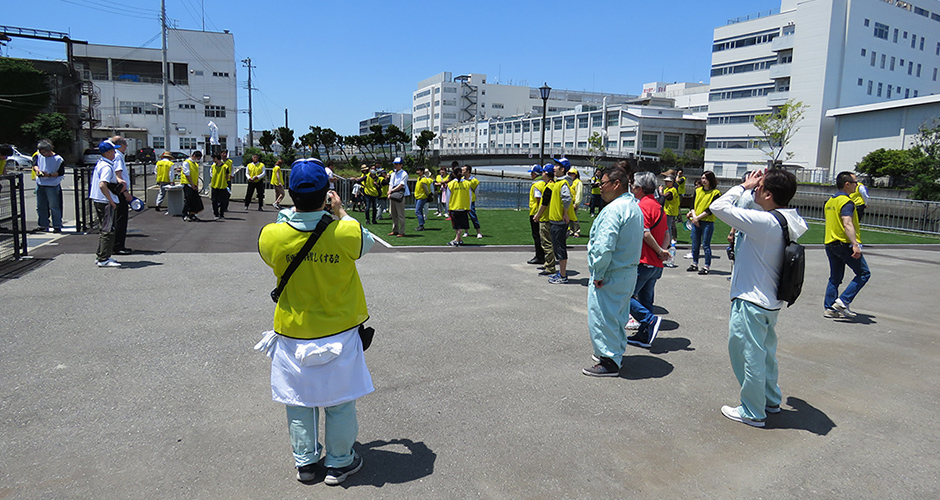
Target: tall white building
<point>825,53</point>
<point>128,91</point>
<point>443,100</point>
<point>384,118</point>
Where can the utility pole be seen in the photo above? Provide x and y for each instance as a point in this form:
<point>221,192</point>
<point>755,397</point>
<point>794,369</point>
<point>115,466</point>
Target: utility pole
<point>251,131</point>
<point>285,119</point>
<point>166,81</point>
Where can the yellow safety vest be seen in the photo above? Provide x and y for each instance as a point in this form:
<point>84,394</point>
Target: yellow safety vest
<point>595,185</point>
<point>459,194</point>
<point>276,175</point>
<point>703,200</point>
<point>835,231</point>
<point>255,169</point>
<point>193,173</point>
<point>556,207</point>
<point>533,201</point>
<point>423,188</point>
<point>220,175</point>
<point>163,170</point>
<point>672,206</point>
<point>856,196</point>
<point>324,296</point>
<point>368,186</point>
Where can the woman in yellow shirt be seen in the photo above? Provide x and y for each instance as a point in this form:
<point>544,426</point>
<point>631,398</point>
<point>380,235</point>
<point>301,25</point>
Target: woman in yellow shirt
<point>703,221</point>
<point>459,205</point>
<point>278,184</point>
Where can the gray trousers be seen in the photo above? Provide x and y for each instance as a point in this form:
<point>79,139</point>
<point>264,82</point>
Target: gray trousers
<point>105,231</point>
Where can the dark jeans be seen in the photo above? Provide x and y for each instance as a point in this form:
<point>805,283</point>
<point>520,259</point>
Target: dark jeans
<point>559,240</point>
<point>220,201</point>
<point>252,188</point>
<point>371,205</point>
<point>473,216</point>
<point>702,237</point>
<point>105,231</point>
<point>597,203</point>
<point>192,203</point>
<point>643,294</point>
<point>539,252</point>
<point>840,255</point>
<point>120,224</point>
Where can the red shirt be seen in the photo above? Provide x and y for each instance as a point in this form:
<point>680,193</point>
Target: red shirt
<point>652,214</point>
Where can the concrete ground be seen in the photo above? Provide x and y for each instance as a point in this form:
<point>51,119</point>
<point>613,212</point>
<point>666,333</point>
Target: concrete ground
<point>141,383</point>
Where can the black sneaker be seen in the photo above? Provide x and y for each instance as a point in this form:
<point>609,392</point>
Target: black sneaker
<point>307,473</point>
<point>336,475</point>
<point>640,340</point>
<point>546,272</point>
<point>653,329</point>
<point>604,368</point>
<point>535,260</point>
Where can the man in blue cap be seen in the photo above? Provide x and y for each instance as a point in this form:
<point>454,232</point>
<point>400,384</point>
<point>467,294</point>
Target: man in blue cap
<point>315,348</point>
<point>104,183</point>
<point>535,196</point>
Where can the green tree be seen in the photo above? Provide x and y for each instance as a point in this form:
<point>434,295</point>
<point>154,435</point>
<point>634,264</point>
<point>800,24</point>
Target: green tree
<point>341,144</point>
<point>395,136</point>
<point>285,139</point>
<point>266,140</point>
<point>778,129</point>
<point>668,159</point>
<point>52,126</point>
<point>378,139</point>
<point>424,143</point>
<point>927,167</point>
<point>328,138</point>
<point>896,163</point>
<point>25,94</point>
<point>596,147</point>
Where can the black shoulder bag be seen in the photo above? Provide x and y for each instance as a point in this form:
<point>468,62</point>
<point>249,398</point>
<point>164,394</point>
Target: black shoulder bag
<point>312,240</point>
<point>794,264</point>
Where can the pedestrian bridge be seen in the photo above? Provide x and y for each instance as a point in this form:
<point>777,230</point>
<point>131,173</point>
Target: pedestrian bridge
<point>480,157</point>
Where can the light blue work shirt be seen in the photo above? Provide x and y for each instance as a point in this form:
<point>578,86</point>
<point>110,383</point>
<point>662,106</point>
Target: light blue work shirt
<point>616,239</point>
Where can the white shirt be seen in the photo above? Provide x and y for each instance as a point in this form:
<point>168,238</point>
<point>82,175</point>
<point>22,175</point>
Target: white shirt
<point>759,256</point>
<point>104,171</point>
<point>119,164</point>
<point>329,175</point>
<point>398,178</point>
<point>49,165</point>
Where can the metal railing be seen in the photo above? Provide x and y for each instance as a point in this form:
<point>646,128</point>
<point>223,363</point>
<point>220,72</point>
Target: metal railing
<point>12,218</point>
<point>884,213</point>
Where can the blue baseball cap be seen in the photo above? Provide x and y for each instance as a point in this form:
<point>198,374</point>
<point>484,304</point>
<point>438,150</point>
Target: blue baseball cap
<point>548,169</point>
<point>308,175</point>
<point>563,162</point>
<point>105,146</point>
<point>537,169</point>
<point>397,160</point>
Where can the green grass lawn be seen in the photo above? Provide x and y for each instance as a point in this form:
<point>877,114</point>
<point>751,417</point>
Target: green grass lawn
<point>511,227</point>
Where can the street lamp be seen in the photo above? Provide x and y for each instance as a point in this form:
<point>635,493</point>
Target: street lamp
<point>544,92</point>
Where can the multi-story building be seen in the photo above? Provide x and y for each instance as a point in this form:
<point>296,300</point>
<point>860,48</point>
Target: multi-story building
<point>384,118</point>
<point>442,101</point>
<point>128,91</point>
<point>691,97</point>
<point>625,131</point>
<point>824,53</point>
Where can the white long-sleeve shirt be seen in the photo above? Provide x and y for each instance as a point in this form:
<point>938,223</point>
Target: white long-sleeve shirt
<point>760,255</point>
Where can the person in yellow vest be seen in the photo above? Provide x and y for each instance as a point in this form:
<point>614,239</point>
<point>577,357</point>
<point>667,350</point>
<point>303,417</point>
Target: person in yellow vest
<point>703,221</point>
<point>422,196</point>
<point>671,206</point>
<point>860,199</point>
<point>189,178</point>
<point>474,184</point>
<point>383,189</point>
<point>541,215</point>
<point>370,190</point>
<point>278,184</point>
<point>535,196</point>
<point>843,248</point>
<point>316,349</point>
<point>597,202</point>
<point>560,207</point>
<point>577,191</point>
<point>459,205</point>
<point>256,176</point>
<point>162,171</point>
<point>440,184</point>
<point>221,174</point>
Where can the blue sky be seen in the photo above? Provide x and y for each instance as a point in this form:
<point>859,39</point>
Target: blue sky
<point>333,63</point>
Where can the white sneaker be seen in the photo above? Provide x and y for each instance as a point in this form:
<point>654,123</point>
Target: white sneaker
<point>109,263</point>
<point>687,256</point>
<point>633,324</point>
<point>464,235</point>
<point>479,236</point>
<point>732,413</point>
<point>842,308</point>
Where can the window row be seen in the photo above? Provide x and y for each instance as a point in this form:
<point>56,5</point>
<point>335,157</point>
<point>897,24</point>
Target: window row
<point>883,31</point>
<point>745,42</point>
<point>743,68</point>
<point>884,62</point>
<point>739,94</point>
<point>880,89</point>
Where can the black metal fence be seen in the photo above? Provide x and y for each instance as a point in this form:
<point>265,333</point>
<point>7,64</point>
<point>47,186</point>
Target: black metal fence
<point>12,218</point>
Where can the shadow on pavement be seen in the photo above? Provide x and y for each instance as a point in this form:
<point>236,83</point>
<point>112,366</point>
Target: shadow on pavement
<point>668,325</point>
<point>643,367</point>
<point>138,264</point>
<point>664,345</point>
<point>384,466</point>
<point>803,416</point>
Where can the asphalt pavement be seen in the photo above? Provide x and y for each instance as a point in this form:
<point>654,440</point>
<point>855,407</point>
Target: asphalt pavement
<point>141,382</point>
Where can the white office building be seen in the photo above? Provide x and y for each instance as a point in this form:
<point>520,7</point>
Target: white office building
<point>128,98</point>
<point>384,118</point>
<point>825,53</point>
<point>626,131</point>
<point>443,100</point>
<point>688,96</point>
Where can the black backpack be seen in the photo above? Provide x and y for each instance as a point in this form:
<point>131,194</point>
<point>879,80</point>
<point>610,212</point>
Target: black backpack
<point>794,263</point>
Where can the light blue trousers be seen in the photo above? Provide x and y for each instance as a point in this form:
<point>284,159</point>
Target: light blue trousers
<point>752,344</point>
<point>339,434</point>
<point>608,312</point>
